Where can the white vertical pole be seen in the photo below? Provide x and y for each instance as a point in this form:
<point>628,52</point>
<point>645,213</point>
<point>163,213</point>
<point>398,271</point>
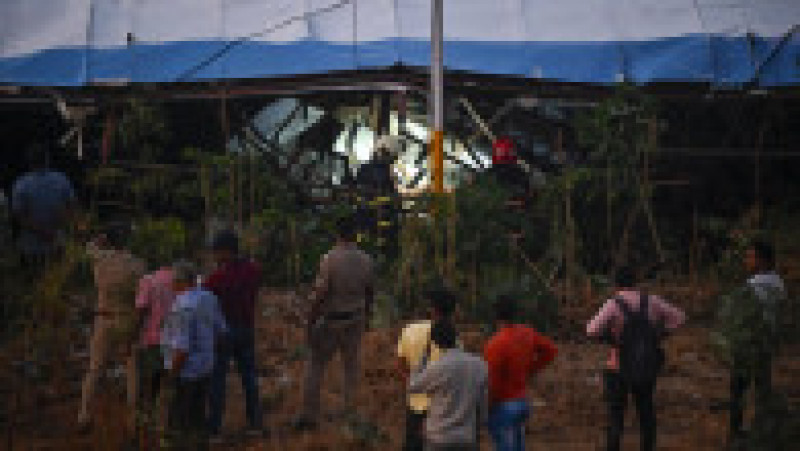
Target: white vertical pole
<point>437,94</point>
<point>89,38</point>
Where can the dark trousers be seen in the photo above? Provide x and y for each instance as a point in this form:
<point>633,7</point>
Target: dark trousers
<point>616,392</point>
<point>415,437</point>
<point>326,340</point>
<point>149,374</point>
<point>187,414</point>
<point>430,446</point>
<point>239,345</point>
<point>761,378</point>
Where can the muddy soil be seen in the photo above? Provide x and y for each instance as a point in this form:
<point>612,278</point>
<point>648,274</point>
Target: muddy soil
<point>568,412</point>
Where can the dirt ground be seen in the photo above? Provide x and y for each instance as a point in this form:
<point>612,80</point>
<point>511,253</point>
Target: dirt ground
<point>568,412</point>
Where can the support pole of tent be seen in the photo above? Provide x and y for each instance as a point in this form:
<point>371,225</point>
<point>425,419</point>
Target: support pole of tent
<point>436,154</point>
<point>757,150</point>
<point>437,94</point>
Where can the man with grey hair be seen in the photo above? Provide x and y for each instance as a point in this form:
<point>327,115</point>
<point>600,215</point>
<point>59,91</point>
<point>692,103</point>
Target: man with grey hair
<point>189,339</point>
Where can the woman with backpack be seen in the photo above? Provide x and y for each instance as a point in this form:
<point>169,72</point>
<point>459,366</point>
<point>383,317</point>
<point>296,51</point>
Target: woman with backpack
<point>634,323</point>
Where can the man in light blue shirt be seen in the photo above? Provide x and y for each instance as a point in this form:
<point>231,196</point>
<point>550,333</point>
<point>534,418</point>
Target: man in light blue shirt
<point>189,339</point>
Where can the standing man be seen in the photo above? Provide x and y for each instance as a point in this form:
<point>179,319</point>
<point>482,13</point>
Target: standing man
<point>41,201</point>
<point>415,351</point>
<point>116,272</point>
<point>190,335</point>
<point>154,300</point>
<point>341,304</point>
<point>458,387</point>
<point>634,323</point>
<point>514,354</point>
<point>235,282</point>
<point>769,291</point>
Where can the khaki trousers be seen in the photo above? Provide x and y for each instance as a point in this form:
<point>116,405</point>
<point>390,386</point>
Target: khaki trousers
<point>102,348</point>
<point>333,336</point>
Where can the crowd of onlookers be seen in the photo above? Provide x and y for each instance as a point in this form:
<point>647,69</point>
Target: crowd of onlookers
<point>178,328</point>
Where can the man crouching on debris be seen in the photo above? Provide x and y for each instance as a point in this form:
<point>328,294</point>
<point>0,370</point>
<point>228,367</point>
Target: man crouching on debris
<point>189,339</point>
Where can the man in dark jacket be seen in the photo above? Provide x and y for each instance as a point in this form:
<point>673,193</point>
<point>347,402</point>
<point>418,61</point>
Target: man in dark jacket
<point>235,283</point>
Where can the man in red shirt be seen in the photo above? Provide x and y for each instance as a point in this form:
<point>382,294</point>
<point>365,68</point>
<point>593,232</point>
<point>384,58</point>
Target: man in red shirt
<point>235,283</point>
<point>514,354</point>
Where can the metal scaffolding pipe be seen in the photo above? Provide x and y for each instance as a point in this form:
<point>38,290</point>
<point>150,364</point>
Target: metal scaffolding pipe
<point>437,94</point>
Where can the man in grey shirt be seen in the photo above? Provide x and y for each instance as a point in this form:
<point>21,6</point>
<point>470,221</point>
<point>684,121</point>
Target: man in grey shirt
<point>41,202</point>
<point>457,384</point>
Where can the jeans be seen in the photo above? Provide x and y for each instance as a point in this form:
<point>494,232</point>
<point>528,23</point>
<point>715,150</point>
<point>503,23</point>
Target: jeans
<point>761,378</point>
<point>239,345</point>
<point>617,391</point>
<point>507,425</point>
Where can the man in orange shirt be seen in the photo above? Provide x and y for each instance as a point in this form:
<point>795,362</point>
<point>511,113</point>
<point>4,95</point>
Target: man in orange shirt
<point>514,354</point>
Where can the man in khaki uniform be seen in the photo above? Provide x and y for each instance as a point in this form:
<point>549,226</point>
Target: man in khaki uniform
<point>341,303</point>
<point>116,272</point>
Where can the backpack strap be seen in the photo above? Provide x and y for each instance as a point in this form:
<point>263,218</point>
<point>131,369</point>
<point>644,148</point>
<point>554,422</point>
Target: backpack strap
<point>644,304</point>
<point>423,363</point>
<point>626,311</point>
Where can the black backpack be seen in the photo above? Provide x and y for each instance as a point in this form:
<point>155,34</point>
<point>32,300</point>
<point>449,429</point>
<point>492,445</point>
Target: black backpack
<point>640,354</point>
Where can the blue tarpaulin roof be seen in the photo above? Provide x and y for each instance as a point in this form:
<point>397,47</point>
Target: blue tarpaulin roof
<point>80,42</point>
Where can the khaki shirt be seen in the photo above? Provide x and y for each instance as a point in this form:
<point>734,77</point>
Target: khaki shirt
<point>414,343</point>
<point>116,274</point>
<point>346,276</point>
